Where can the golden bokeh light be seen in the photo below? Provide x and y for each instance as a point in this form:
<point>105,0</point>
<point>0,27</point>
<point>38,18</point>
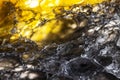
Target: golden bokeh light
<point>32,3</point>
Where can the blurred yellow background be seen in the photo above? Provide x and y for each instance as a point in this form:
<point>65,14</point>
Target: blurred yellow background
<point>36,19</point>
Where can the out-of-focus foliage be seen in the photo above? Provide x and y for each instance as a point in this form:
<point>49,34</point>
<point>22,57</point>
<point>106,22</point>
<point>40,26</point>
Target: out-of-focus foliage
<point>37,19</point>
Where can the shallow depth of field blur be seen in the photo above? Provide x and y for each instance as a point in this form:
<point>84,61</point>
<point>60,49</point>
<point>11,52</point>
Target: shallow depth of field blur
<point>59,40</point>
<point>39,20</point>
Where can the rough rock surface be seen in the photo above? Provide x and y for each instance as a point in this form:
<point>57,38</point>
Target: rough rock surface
<point>91,53</point>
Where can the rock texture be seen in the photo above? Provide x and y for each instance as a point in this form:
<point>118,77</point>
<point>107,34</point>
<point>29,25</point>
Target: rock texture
<point>90,53</point>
